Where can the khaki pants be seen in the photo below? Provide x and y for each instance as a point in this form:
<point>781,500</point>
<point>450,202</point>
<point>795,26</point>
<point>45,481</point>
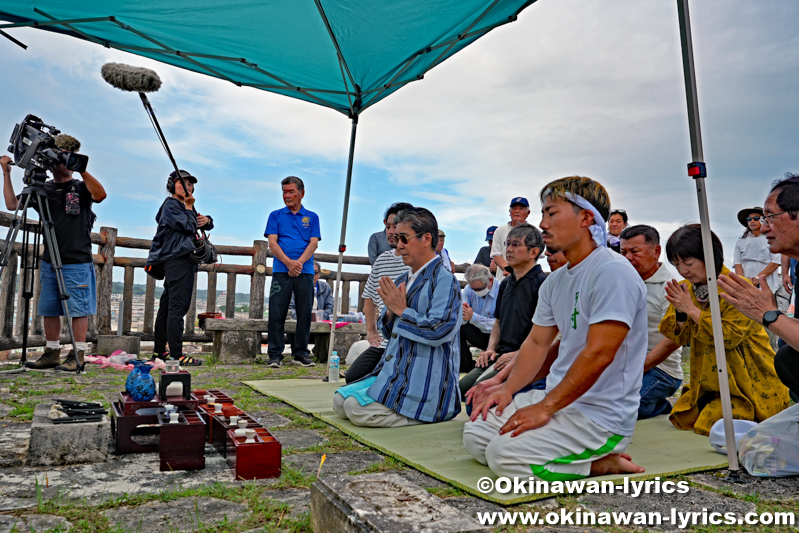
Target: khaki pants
<point>374,415</point>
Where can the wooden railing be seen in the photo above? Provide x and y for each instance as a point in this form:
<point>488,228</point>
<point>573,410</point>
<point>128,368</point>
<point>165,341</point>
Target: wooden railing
<point>108,242</point>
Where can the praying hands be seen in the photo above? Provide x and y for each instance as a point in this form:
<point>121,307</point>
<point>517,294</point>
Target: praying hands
<point>393,296</point>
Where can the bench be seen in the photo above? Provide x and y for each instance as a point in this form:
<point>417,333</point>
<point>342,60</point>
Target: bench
<point>238,340</point>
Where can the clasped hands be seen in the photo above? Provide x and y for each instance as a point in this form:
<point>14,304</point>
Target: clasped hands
<point>393,296</point>
<point>753,302</point>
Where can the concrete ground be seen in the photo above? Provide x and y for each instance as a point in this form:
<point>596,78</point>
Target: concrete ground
<point>129,493</point>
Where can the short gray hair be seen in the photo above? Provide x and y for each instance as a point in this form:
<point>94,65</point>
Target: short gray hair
<point>293,180</point>
<point>477,272</point>
<point>421,221</point>
<point>316,266</point>
<point>529,234</point>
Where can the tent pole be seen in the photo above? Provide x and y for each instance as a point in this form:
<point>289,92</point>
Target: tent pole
<point>342,247</point>
<point>698,171</point>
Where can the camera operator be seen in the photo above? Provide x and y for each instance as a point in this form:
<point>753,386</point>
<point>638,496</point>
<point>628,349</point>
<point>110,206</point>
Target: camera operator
<point>170,260</point>
<point>71,208</point>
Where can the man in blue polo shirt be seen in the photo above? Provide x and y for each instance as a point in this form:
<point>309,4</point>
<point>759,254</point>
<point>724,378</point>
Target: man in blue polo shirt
<point>293,234</point>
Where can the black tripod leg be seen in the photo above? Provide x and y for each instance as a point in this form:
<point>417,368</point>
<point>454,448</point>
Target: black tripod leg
<point>55,259</point>
<point>8,247</point>
<point>13,230</point>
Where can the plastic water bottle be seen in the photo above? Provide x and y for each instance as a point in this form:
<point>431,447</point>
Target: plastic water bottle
<point>332,369</point>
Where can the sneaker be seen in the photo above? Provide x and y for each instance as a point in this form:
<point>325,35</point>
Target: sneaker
<point>274,362</point>
<point>49,359</point>
<point>304,360</point>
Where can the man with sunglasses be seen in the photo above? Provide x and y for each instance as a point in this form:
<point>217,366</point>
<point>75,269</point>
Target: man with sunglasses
<point>416,380</point>
<point>780,225</point>
<point>389,264</point>
<point>519,211</point>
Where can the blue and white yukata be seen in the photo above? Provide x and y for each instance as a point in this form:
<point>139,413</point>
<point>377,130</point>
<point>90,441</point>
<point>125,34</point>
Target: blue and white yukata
<point>416,381</point>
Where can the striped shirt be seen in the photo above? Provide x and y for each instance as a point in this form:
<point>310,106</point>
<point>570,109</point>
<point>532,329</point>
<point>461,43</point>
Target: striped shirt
<point>387,264</point>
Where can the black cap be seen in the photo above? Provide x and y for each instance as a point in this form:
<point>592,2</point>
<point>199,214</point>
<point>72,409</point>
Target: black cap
<point>183,174</point>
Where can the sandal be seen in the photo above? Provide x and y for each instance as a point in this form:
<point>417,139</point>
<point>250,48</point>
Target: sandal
<point>188,360</point>
<point>162,356</point>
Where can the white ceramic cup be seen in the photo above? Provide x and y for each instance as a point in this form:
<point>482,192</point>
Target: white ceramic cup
<point>234,420</point>
<point>173,417</point>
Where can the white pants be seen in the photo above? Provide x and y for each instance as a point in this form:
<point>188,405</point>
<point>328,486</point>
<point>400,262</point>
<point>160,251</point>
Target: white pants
<point>561,450</point>
<point>374,415</point>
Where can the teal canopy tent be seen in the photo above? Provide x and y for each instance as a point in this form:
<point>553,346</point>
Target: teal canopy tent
<point>346,55</point>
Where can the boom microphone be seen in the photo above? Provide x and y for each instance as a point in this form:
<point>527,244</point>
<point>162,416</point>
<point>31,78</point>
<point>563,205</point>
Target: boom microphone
<point>67,143</point>
<point>130,78</point>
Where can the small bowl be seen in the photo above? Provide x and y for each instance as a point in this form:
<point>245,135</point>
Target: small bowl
<point>229,411</point>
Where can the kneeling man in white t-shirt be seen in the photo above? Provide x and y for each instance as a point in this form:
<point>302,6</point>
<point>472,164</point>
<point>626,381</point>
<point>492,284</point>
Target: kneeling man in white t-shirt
<point>584,421</point>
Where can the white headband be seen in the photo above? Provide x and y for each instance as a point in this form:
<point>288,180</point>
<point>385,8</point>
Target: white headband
<point>598,230</point>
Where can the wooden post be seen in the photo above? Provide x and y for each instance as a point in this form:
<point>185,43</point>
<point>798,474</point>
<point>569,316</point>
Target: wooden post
<point>106,280</point>
<point>230,299</point>
<point>191,316</point>
<point>361,287</point>
<point>20,309</point>
<point>149,305</point>
<point>345,297</point>
<point>258,280</point>
<point>127,295</point>
<point>38,323</point>
<point>210,302</point>
<point>7,286</point>
<point>92,329</point>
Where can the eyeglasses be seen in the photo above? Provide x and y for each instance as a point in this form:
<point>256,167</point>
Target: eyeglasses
<point>513,244</point>
<point>404,238</point>
<point>750,219</point>
<point>766,219</point>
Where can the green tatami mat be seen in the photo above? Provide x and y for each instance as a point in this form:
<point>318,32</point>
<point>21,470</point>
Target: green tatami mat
<point>437,449</point>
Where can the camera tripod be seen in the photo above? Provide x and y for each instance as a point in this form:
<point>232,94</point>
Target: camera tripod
<point>34,195</point>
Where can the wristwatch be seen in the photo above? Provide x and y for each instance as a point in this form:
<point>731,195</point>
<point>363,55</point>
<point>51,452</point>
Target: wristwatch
<point>769,317</point>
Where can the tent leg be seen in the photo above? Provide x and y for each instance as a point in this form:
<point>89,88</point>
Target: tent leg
<point>343,247</point>
<point>697,170</point>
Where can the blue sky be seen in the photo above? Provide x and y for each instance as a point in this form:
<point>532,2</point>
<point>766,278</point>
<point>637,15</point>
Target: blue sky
<point>573,87</point>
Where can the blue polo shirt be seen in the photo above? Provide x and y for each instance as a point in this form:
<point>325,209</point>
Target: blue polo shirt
<point>294,234</point>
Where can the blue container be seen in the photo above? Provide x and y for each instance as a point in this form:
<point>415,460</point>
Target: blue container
<point>142,387</point>
<point>133,373</point>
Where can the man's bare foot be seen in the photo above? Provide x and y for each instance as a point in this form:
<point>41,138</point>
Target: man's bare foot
<point>616,463</point>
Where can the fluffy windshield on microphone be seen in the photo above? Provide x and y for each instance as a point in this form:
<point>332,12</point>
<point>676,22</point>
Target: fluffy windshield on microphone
<point>129,78</point>
<point>68,143</point>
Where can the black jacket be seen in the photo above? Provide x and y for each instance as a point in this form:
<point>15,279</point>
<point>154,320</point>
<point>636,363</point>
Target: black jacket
<point>175,234</point>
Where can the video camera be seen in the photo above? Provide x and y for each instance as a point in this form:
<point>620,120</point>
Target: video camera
<point>38,147</point>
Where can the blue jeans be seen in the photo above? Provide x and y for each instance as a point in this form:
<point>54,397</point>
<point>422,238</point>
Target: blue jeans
<point>80,284</point>
<point>656,387</point>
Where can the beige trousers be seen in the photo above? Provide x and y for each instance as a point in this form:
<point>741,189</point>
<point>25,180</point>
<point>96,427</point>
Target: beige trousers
<point>374,415</point>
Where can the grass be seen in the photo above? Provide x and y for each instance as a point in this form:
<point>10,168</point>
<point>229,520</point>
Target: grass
<point>264,511</point>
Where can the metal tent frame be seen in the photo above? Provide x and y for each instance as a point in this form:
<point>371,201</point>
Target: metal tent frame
<point>359,100</point>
